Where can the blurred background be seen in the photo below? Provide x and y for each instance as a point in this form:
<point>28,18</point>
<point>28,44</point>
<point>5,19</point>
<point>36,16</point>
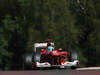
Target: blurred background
<point>72,24</point>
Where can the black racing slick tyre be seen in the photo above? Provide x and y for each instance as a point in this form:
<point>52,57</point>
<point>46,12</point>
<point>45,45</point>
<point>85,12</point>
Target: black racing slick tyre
<point>73,56</point>
<point>30,59</point>
<point>36,57</point>
<point>27,61</point>
<point>75,67</point>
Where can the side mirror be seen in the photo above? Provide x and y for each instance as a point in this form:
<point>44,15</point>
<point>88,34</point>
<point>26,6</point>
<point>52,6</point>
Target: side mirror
<point>42,50</point>
<point>60,49</point>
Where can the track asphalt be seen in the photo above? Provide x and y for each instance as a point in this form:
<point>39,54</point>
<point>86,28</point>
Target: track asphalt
<point>80,71</point>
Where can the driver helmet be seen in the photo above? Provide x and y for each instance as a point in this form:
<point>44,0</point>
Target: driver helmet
<point>50,48</point>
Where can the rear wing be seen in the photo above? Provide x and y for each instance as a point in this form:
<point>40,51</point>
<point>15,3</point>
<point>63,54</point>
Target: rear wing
<point>41,45</point>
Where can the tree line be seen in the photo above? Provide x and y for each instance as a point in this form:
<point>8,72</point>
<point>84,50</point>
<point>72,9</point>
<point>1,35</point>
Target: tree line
<point>72,24</point>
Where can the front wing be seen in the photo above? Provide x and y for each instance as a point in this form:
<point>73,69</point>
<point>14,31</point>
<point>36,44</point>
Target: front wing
<point>63,65</point>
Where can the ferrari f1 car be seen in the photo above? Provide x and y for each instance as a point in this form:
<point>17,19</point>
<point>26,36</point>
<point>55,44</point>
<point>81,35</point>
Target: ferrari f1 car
<point>42,58</point>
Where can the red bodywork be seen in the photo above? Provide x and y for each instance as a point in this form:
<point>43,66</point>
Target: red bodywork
<point>55,57</point>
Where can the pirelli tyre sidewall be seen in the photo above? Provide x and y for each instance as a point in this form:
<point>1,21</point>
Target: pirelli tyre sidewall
<point>73,57</point>
<point>30,59</point>
<point>27,61</point>
<point>36,57</point>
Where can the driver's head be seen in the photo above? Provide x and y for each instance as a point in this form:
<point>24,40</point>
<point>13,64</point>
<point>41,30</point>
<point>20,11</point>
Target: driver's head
<point>50,48</point>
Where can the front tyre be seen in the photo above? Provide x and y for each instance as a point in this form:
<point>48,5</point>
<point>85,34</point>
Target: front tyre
<point>73,57</point>
<point>75,67</point>
<point>27,61</point>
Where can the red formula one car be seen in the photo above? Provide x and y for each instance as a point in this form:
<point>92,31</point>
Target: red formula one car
<point>43,58</point>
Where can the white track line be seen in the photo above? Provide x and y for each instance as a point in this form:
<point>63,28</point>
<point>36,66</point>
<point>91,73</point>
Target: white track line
<point>89,68</point>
